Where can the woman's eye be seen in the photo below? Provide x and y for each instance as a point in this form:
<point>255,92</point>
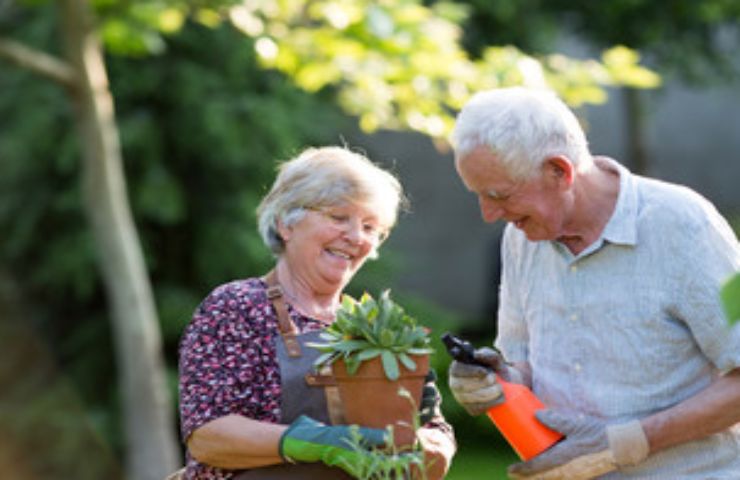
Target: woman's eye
<point>339,218</point>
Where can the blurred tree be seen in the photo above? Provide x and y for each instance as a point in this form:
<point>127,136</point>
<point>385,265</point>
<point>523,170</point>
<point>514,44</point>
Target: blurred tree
<point>696,41</point>
<point>399,64</point>
<point>394,64</point>
<point>199,133</point>
<point>148,422</point>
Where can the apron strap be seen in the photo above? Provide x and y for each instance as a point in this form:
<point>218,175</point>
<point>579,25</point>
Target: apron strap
<point>325,378</point>
<point>288,329</point>
<point>289,333</point>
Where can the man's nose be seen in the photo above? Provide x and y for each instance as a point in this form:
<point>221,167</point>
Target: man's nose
<point>490,210</point>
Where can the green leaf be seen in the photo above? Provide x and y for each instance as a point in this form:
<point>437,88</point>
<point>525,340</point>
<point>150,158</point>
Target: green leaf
<point>420,351</point>
<point>730,295</point>
<point>390,365</point>
<point>328,335</point>
<point>325,358</point>
<point>407,361</point>
<point>368,354</point>
<point>348,303</point>
<point>386,338</point>
<point>352,363</point>
<point>350,345</point>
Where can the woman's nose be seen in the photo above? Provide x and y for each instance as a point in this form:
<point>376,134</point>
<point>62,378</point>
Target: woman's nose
<point>354,232</point>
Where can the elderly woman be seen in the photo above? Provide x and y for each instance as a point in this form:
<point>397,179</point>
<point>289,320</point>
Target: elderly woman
<point>246,409</point>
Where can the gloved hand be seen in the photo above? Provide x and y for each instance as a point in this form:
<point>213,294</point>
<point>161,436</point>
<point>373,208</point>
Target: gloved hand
<point>307,440</point>
<point>591,448</point>
<point>474,386</point>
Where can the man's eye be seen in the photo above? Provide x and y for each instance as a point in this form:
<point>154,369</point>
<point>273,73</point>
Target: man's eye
<point>497,196</point>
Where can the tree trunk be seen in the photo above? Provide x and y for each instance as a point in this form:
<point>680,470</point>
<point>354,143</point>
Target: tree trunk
<point>635,127</point>
<point>150,434</point>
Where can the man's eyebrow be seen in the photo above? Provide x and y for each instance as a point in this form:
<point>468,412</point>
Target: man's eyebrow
<point>493,193</point>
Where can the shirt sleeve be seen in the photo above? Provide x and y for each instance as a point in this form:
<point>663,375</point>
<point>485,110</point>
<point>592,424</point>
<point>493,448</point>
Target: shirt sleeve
<point>711,255</point>
<point>227,361</point>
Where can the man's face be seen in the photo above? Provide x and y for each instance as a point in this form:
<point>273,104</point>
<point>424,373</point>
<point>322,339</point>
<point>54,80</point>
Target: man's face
<point>535,206</point>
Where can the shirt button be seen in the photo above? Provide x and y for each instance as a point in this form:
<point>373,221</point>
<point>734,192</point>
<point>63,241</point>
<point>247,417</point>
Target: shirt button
<point>573,269</point>
<point>573,317</point>
<point>577,367</point>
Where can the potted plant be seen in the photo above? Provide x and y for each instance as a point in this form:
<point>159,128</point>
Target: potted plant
<point>375,348</point>
<point>389,463</point>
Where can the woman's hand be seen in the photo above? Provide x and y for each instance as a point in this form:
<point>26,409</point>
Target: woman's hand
<point>307,440</point>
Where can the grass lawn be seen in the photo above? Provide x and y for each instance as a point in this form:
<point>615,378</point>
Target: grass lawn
<point>474,462</point>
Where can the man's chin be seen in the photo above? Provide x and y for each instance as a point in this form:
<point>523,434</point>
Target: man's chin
<point>536,235</point>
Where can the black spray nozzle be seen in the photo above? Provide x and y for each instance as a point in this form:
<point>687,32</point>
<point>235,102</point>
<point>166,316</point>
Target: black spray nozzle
<point>459,349</point>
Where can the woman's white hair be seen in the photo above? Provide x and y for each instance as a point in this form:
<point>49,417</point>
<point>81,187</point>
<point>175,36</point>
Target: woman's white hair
<point>523,127</point>
<point>321,177</point>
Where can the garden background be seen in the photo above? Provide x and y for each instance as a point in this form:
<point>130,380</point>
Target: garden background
<point>115,222</point>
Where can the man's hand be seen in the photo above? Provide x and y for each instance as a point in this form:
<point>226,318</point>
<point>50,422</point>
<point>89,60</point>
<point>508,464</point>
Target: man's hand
<point>591,448</point>
<point>475,386</point>
<point>307,440</point>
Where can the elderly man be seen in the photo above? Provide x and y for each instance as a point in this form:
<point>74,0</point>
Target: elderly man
<point>609,307</point>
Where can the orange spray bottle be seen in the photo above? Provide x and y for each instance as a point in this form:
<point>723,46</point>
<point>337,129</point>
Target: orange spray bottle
<point>514,417</point>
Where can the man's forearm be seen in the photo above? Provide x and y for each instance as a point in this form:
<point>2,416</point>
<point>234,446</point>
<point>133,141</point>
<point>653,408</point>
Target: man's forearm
<point>710,411</point>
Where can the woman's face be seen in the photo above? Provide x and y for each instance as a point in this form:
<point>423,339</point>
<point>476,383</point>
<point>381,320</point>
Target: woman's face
<point>329,244</point>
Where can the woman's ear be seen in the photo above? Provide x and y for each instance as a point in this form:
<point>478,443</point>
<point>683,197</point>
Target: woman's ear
<point>283,230</point>
<point>560,169</point>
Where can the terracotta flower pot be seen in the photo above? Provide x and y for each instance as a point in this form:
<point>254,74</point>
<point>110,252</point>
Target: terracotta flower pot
<point>370,399</point>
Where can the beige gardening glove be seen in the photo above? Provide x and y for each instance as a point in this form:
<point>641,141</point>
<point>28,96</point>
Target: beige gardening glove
<point>475,386</point>
<point>591,448</point>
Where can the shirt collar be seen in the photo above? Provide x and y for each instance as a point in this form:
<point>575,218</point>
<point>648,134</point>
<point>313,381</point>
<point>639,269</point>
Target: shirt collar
<point>622,226</point>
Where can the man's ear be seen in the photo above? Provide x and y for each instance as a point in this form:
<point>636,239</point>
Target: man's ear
<point>560,169</point>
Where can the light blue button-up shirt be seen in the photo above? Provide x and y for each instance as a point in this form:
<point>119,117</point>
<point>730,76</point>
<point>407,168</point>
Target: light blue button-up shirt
<point>633,324</point>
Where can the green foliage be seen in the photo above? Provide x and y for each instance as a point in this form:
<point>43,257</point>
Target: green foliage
<point>401,65</point>
<point>201,133</point>
<point>730,295</point>
<point>393,64</point>
<point>201,129</point>
<point>478,458</point>
<point>702,34</point>
<point>368,329</point>
<point>46,428</point>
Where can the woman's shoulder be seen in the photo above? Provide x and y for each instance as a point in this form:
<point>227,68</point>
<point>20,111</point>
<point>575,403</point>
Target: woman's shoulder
<point>244,299</point>
<point>251,289</point>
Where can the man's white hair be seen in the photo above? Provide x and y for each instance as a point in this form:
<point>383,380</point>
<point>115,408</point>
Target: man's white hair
<point>522,127</point>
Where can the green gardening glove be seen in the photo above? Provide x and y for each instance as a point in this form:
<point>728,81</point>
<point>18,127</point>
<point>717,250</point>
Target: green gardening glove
<point>307,440</point>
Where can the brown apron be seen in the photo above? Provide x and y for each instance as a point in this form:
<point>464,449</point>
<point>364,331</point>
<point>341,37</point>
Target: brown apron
<point>301,393</point>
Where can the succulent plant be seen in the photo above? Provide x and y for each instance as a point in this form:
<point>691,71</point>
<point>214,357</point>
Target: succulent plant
<point>369,328</point>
